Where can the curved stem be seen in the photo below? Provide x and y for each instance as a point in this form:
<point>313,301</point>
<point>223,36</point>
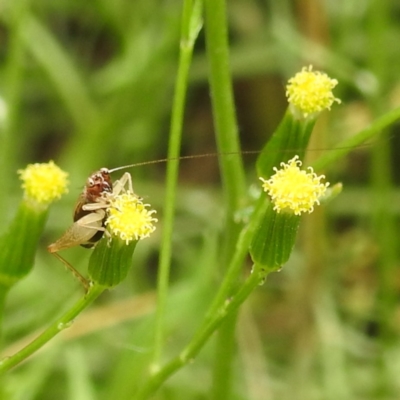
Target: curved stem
<point>56,327</point>
<point>193,348</point>
<point>348,145</point>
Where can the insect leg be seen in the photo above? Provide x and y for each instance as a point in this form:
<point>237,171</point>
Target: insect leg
<point>120,184</point>
<point>75,273</point>
<point>79,233</point>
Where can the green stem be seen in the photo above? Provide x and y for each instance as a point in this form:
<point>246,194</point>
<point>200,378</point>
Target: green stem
<point>12,81</point>
<point>62,323</point>
<point>236,264</point>
<point>188,354</point>
<point>226,130</point>
<point>218,304</point>
<point>3,295</point>
<point>225,351</point>
<point>191,24</point>
<point>346,146</point>
<point>226,127</point>
<point>384,222</point>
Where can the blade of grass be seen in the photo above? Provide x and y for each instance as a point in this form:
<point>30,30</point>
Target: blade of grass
<point>191,25</point>
<point>232,173</point>
<point>58,65</point>
<point>13,84</point>
<point>346,146</point>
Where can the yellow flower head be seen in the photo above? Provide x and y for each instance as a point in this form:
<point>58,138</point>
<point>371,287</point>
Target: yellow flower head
<point>310,92</point>
<point>294,190</point>
<point>43,183</point>
<point>129,218</point>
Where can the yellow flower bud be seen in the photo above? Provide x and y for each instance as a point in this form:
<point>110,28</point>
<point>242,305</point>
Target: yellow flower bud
<point>310,92</point>
<point>294,190</point>
<point>129,218</point>
<point>43,183</point>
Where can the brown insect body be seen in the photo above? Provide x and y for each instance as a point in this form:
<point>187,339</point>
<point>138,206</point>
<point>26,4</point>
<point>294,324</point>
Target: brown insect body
<point>89,217</point>
<point>97,185</point>
<point>87,228</point>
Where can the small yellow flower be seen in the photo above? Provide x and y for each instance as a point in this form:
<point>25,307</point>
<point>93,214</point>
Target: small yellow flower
<point>310,92</point>
<point>43,183</point>
<point>129,218</point>
<point>292,189</point>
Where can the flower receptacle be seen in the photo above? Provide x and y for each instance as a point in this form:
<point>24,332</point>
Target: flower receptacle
<point>290,138</point>
<point>274,239</point>
<point>111,260</point>
<point>19,243</point>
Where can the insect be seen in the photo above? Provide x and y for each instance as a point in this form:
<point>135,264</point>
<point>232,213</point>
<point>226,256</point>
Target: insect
<point>90,210</point>
<point>90,215</point>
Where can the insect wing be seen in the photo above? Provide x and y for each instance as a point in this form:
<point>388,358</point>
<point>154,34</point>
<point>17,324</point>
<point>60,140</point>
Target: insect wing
<point>78,210</point>
<point>81,232</point>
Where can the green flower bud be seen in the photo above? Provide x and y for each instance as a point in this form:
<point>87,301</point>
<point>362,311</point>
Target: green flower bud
<point>309,93</point>
<point>292,192</point>
<point>42,184</point>
<point>274,239</point>
<point>110,262</point>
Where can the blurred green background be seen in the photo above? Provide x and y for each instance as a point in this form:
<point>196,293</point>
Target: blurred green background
<point>90,85</point>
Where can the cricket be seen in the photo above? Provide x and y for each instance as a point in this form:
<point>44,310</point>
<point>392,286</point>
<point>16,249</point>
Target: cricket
<point>90,215</point>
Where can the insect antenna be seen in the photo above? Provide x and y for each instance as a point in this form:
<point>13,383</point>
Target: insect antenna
<point>216,154</point>
<point>190,157</point>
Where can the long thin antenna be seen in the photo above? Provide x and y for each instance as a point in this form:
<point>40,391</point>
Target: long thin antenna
<point>164,160</point>
<point>206,155</point>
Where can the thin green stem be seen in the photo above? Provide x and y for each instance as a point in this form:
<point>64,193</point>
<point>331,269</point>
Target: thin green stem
<point>12,98</point>
<point>348,145</point>
<point>56,327</point>
<point>193,348</point>
<point>191,24</point>
<point>226,130</point>
<point>384,223</point>
<point>236,264</point>
<point>225,351</point>
<point>3,296</point>
<point>219,303</point>
<point>70,84</point>
<point>226,127</point>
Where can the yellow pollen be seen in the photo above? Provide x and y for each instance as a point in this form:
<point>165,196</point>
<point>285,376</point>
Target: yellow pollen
<point>294,190</point>
<point>310,92</point>
<point>129,218</point>
<point>43,183</point>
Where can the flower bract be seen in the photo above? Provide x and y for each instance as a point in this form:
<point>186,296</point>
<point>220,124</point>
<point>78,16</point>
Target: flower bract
<point>129,218</point>
<point>43,183</point>
<point>294,190</point>
<point>310,92</point>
